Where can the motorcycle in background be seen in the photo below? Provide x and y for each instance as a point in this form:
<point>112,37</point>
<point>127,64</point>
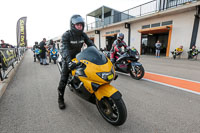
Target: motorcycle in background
<point>36,54</point>
<point>128,63</point>
<point>53,55</point>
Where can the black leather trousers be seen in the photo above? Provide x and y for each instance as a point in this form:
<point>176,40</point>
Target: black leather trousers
<point>63,80</point>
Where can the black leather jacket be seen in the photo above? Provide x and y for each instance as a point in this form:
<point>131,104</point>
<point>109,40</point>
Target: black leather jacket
<point>72,44</point>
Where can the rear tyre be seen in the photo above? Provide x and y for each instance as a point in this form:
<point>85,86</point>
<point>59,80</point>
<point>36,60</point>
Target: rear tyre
<point>34,59</point>
<point>112,110</point>
<point>137,72</point>
<point>54,61</point>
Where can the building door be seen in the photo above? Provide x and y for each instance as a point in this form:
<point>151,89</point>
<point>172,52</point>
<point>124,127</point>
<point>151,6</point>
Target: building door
<point>149,41</point>
<point>150,36</point>
<point>109,41</point>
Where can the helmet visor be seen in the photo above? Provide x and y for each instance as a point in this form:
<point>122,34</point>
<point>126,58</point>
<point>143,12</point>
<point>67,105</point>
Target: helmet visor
<point>77,20</point>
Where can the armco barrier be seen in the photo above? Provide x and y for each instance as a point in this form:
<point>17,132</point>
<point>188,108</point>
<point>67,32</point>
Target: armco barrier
<point>9,57</point>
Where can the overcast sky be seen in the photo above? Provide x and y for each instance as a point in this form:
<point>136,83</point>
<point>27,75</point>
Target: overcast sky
<point>49,18</point>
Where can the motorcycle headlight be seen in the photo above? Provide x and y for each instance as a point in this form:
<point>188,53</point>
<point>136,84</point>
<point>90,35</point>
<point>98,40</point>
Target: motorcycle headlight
<point>137,56</point>
<point>108,76</point>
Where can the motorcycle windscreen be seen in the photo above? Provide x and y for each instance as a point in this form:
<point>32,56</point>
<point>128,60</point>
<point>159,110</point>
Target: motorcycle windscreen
<point>93,55</point>
<point>133,53</point>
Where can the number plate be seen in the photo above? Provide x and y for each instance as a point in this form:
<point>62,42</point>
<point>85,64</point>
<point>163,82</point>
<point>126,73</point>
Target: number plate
<point>110,77</point>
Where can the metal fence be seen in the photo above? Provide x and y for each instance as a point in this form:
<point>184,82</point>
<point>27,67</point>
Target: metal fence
<point>138,11</point>
<point>9,57</point>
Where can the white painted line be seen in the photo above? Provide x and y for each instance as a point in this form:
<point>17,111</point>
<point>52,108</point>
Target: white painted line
<point>167,84</point>
<point>175,77</point>
<point>198,93</point>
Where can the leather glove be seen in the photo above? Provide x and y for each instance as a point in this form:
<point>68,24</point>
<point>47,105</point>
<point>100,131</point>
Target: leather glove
<point>71,65</point>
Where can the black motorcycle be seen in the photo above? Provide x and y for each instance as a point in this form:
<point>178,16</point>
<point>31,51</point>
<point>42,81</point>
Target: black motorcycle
<point>128,63</point>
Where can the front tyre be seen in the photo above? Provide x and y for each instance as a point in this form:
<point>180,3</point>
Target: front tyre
<point>137,72</point>
<point>112,110</point>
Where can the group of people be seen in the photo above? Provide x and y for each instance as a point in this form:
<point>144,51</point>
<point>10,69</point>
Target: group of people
<point>44,50</point>
<point>42,47</point>
<point>192,53</point>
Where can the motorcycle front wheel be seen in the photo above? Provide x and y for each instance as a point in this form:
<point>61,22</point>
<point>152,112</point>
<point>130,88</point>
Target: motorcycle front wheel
<point>112,110</point>
<point>137,72</point>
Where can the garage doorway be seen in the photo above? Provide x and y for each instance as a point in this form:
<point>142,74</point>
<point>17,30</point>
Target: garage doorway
<point>150,36</point>
<point>109,41</point>
<point>149,41</point>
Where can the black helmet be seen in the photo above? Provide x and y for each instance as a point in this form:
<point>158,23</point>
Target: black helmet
<point>76,19</point>
<point>120,36</point>
<point>36,42</point>
<point>51,41</point>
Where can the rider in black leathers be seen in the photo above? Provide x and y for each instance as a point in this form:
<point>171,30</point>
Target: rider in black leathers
<point>72,42</point>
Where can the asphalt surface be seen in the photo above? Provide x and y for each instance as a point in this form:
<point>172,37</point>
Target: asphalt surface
<point>29,104</point>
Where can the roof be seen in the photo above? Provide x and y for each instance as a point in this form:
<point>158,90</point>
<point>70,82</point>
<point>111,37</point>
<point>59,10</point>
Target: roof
<point>98,12</point>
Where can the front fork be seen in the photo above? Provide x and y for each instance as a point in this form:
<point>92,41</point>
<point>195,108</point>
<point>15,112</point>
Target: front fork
<point>133,65</point>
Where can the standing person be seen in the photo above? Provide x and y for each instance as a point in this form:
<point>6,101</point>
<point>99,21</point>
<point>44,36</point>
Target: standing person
<point>72,42</point>
<point>43,52</point>
<point>3,44</point>
<point>58,46</point>
<point>158,47</point>
<point>50,46</point>
<point>35,45</point>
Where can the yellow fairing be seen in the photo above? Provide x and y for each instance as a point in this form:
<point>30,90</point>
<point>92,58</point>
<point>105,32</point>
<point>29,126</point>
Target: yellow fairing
<point>92,69</point>
<point>105,91</point>
<point>91,77</point>
<point>88,84</point>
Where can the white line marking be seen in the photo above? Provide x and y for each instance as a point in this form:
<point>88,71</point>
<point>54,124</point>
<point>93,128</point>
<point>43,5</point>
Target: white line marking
<point>174,77</point>
<point>179,88</point>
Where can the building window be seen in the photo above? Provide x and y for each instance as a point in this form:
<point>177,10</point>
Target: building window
<point>166,23</point>
<point>155,25</point>
<point>145,26</point>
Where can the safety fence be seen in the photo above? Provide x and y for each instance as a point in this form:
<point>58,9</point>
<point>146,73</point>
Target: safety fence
<point>9,57</point>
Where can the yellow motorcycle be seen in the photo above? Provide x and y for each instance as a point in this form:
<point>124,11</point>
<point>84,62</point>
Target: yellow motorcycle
<point>91,80</point>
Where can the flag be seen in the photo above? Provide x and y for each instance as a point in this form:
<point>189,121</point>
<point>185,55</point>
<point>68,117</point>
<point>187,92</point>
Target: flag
<point>21,32</point>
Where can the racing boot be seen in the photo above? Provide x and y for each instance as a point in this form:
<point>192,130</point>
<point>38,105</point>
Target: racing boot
<point>61,102</point>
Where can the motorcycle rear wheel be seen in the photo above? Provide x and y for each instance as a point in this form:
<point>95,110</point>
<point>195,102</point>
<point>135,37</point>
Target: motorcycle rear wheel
<point>112,110</point>
<point>137,74</point>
